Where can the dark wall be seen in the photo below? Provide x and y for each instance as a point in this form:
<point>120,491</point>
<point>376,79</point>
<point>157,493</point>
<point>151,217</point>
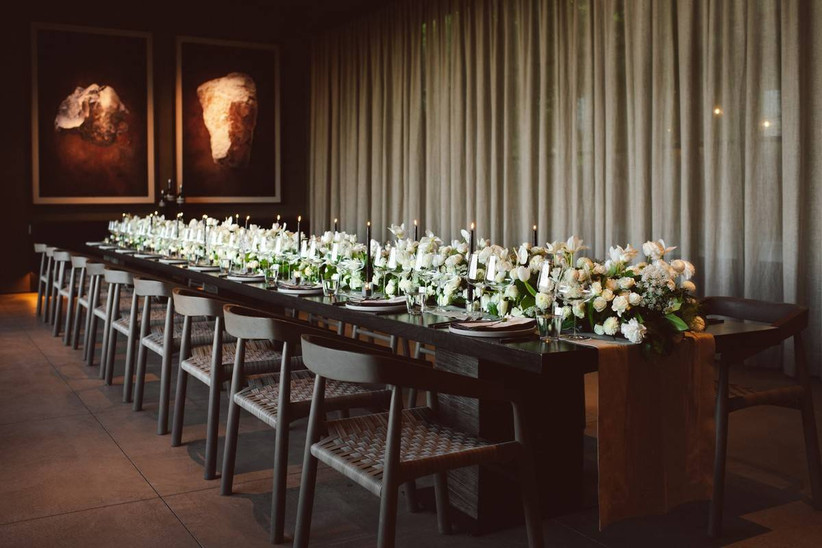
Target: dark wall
<point>22,223</point>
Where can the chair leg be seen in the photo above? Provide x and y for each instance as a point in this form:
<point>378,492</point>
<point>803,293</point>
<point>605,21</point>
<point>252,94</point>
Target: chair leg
<point>212,431</point>
<point>279,487</point>
<point>39,309</point>
<point>230,449</point>
<point>75,327</point>
<point>140,378</point>
<point>179,409</point>
<point>718,499</point>
<point>308,484</point>
<point>530,501</point>
<point>165,391</point>
<point>387,528</point>
<point>110,354</point>
<point>443,506</point>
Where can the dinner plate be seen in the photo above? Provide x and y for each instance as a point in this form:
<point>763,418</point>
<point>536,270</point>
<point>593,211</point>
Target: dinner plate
<point>391,307</point>
<point>95,244</point>
<point>108,247</point>
<point>245,279</point>
<point>203,268</point>
<point>308,290</point>
<point>125,251</point>
<point>492,333</point>
<point>147,256</point>
<point>173,261</point>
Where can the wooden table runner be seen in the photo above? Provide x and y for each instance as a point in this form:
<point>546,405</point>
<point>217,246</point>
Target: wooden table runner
<point>655,427</point>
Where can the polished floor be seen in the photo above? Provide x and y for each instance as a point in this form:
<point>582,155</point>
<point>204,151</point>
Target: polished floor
<point>79,468</point>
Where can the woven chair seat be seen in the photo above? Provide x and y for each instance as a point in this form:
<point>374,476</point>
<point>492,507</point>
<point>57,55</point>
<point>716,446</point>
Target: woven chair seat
<point>741,397</point>
<point>202,332</point>
<point>260,357</point>
<point>355,447</point>
<point>156,318</point>
<point>261,397</point>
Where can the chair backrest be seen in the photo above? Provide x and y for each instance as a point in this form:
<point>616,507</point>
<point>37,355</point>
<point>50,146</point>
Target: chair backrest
<point>95,269</point>
<point>50,251</point>
<point>249,324</point>
<point>62,256</point>
<point>40,248</point>
<point>789,318</point>
<point>79,261</point>
<point>342,360</point>
<point>196,303</point>
<point>145,287</point>
<point>119,277</point>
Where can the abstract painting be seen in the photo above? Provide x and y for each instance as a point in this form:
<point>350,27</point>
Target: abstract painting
<point>92,116</point>
<point>228,121</point>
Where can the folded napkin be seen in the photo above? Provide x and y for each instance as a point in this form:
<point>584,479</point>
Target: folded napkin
<point>394,301</point>
<point>505,324</point>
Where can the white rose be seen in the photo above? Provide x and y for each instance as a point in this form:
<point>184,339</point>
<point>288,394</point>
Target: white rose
<point>600,269</point>
<point>391,287</point>
<point>405,285</point>
<point>678,265</point>
<point>611,326</point>
<point>543,301</point>
<point>633,331</point>
<point>626,283</point>
<point>619,305</point>
<point>598,329</point>
<point>688,286</point>
<point>611,284</point>
<point>579,310</point>
<point>600,304</point>
<point>607,294</point>
<point>596,288</point>
<point>634,299</point>
<point>585,262</point>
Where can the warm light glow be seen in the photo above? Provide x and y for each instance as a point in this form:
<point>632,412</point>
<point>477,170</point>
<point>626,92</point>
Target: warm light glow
<point>247,217</point>
<point>717,111</point>
<point>299,218</point>
<point>278,218</point>
<point>472,226</point>
<point>415,222</point>
<point>535,227</point>
<point>335,220</point>
<point>368,223</point>
<point>766,124</point>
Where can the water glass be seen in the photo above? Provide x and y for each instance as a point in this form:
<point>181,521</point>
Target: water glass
<point>331,287</point>
<point>225,266</point>
<point>412,303</point>
<point>557,318</point>
<point>545,326</point>
<point>271,275</point>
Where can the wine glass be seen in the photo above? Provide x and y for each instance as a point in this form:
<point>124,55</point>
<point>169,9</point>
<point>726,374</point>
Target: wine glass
<point>575,294</point>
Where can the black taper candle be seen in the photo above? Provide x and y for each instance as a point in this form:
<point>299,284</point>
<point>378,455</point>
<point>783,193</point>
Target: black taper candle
<point>416,231</point>
<point>470,253</point>
<point>336,225</point>
<point>368,252</point>
<point>535,236</point>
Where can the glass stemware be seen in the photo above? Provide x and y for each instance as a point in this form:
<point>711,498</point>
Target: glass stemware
<point>575,294</point>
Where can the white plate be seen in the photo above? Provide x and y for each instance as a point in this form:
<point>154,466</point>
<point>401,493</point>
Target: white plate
<point>492,334</point>
<point>246,279</point>
<point>95,244</point>
<point>318,290</point>
<point>146,256</point>
<point>377,308</point>
<point>107,247</point>
<point>125,251</point>
<point>203,268</point>
<point>173,261</point>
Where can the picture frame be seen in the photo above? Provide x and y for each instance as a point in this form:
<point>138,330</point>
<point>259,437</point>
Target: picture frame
<point>92,115</point>
<point>234,161</point>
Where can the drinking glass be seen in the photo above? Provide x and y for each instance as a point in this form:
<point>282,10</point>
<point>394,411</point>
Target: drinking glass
<point>574,294</point>
<point>556,319</point>
<point>331,287</point>
<point>412,303</point>
<point>225,265</point>
<point>272,274</point>
<point>544,326</point>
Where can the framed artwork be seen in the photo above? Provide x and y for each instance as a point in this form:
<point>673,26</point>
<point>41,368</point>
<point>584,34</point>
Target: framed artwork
<point>92,116</point>
<point>228,121</point>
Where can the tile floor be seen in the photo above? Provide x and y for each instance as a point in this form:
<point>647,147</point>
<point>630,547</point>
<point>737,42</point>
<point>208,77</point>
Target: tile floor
<point>79,468</point>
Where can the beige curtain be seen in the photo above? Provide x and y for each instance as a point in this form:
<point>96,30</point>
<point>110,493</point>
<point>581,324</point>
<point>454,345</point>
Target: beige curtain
<point>696,121</point>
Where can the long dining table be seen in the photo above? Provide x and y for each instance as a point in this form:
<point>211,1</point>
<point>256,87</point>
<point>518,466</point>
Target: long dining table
<point>548,375</point>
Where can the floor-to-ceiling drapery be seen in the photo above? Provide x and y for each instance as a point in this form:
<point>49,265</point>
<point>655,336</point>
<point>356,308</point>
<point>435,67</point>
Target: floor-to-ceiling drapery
<point>696,121</point>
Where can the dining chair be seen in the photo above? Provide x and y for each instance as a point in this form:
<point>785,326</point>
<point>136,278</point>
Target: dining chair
<point>789,321</point>
<point>95,271</point>
<point>211,365</point>
<point>61,258</point>
<point>48,282</point>
<point>381,451</point>
<point>164,340</point>
<point>40,249</point>
<point>116,303</point>
<point>280,398</point>
<point>75,286</point>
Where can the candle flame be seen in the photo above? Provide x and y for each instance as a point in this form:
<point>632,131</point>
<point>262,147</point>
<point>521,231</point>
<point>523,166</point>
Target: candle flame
<point>535,227</point>
<point>415,222</point>
<point>368,223</point>
<point>299,218</point>
<point>472,226</point>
